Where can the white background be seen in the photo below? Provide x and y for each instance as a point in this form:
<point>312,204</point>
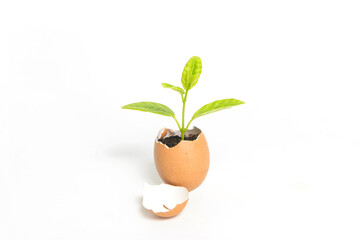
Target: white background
<point>283,166</point>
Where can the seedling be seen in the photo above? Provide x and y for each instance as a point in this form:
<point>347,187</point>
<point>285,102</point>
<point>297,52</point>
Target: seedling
<point>189,79</point>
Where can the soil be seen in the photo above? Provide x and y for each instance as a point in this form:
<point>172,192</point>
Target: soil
<point>174,140</point>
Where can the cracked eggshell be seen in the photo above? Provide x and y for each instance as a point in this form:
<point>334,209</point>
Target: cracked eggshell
<point>164,200</point>
<point>185,164</point>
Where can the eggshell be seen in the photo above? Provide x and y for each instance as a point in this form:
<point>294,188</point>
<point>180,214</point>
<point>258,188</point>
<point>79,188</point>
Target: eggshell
<point>185,164</point>
<point>164,200</point>
<point>172,212</point>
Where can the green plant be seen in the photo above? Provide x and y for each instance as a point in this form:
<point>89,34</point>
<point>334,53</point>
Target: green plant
<point>189,79</point>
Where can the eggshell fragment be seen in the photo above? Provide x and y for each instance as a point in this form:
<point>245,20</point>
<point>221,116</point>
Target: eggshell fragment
<point>164,200</point>
<point>185,164</point>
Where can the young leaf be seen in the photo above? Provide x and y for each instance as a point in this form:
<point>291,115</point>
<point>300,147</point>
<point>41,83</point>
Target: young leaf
<point>191,73</point>
<point>152,107</point>
<point>178,89</point>
<point>216,106</point>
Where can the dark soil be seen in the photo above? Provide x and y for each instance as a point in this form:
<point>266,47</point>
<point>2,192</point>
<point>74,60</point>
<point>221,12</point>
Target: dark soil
<point>174,140</point>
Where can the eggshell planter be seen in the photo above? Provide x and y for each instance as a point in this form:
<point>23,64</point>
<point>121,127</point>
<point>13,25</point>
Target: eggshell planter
<point>185,164</point>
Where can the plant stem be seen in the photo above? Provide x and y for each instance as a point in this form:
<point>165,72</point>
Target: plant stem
<point>183,117</point>
<point>188,125</point>
<point>177,123</point>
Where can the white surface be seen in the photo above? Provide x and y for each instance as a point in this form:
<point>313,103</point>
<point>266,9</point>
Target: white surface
<point>283,166</point>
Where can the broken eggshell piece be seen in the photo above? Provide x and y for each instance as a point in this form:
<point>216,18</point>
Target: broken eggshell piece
<point>164,200</point>
<point>185,164</point>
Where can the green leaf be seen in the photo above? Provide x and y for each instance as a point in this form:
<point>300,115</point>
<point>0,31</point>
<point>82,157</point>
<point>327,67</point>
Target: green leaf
<point>191,73</point>
<point>216,106</point>
<point>178,89</point>
<point>152,107</point>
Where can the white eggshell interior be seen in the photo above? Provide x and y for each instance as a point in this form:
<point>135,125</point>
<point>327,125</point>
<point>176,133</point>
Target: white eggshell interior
<point>155,197</point>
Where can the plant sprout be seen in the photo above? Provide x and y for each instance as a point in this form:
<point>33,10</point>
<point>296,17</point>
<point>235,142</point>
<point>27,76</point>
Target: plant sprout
<point>189,79</point>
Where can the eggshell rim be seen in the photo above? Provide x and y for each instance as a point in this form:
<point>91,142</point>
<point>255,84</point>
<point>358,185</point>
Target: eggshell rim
<point>162,130</point>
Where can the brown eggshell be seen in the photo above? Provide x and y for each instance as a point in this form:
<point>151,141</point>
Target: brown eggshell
<point>175,211</point>
<point>185,164</point>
